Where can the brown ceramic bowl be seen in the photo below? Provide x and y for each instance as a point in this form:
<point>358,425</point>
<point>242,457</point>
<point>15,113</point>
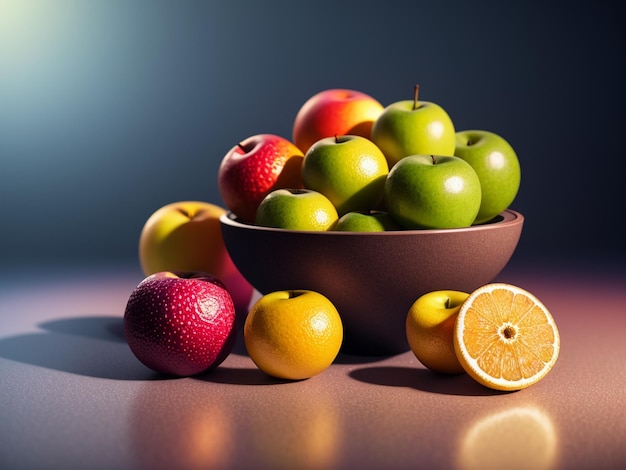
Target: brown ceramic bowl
<point>373,278</point>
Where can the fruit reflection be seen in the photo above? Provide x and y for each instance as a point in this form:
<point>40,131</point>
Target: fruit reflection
<point>298,427</point>
<point>209,440</point>
<point>176,425</point>
<point>516,438</point>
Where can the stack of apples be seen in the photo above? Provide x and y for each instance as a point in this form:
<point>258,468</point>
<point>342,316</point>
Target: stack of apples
<point>352,164</point>
<point>356,165</point>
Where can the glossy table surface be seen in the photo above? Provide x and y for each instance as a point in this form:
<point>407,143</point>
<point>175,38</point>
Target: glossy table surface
<point>72,395</point>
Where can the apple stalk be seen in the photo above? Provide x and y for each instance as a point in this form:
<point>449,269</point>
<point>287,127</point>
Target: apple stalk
<point>245,148</point>
<point>416,92</point>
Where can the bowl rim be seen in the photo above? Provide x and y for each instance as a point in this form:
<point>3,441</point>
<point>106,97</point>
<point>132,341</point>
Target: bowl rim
<point>507,217</point>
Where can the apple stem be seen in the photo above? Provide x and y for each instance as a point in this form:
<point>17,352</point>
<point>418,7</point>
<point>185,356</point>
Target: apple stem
<point>336,139</point>
<point>416,92</point>
<point>433,159</point>
<point>185,212</point>
<point>241,147</point>
<point>448,302</point>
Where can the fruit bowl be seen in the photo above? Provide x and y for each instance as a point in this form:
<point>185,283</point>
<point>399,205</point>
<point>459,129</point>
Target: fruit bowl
<point>372,278</point>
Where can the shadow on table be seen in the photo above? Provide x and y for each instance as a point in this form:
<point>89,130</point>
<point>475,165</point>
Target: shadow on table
<point>239,376</point>
<point>103,327</point>
<point>422,379</point>
<point>91,346</point>
<point>342,358</point>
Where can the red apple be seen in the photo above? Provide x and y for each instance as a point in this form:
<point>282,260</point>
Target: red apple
<point>337,111</point>
<point>255,167</point>
<point>180,323</point>
<point>187,236</point>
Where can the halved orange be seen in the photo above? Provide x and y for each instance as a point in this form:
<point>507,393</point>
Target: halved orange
<point>505,338</point>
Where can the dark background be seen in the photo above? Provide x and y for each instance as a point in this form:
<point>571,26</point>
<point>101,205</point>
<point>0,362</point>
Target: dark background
<point>109,110</point>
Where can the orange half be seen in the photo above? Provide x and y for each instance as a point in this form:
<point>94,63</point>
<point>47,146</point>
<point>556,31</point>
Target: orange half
<point>505,338</point>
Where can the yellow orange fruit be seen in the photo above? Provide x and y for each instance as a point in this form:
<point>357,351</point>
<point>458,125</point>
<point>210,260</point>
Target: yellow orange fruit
<point>505,338</point>
<point>293,335</point>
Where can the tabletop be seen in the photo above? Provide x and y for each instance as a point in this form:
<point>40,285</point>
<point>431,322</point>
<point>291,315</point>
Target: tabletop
<point>72,395</point>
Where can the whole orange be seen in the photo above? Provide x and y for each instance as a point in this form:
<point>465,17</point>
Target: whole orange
<point>293,335</point>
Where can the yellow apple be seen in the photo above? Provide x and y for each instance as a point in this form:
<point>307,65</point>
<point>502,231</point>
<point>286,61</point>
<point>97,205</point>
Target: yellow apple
<point>187,236</point>
<point>430,329</point>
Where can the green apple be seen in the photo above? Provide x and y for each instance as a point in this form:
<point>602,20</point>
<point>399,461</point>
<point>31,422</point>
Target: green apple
<point>433,192</point>
<point>413,127</point>
<point>296,209</point>
<point>497,167</point>
<point>349,170</point>
<point>372,221</point>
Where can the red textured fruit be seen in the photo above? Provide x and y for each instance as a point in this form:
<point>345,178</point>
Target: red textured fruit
<point>255,167</point>
<point>180,323</point>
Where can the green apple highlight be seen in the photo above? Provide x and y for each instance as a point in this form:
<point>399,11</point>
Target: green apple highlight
<point>433,192</point>
<point>413,127</point>
<point>497,167</point>
<point>349,170</point>
<point>296,209</point>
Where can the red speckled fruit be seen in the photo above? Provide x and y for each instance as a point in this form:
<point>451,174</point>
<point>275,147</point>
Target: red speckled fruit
<point>255,167</point>
<point>180,323</point>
